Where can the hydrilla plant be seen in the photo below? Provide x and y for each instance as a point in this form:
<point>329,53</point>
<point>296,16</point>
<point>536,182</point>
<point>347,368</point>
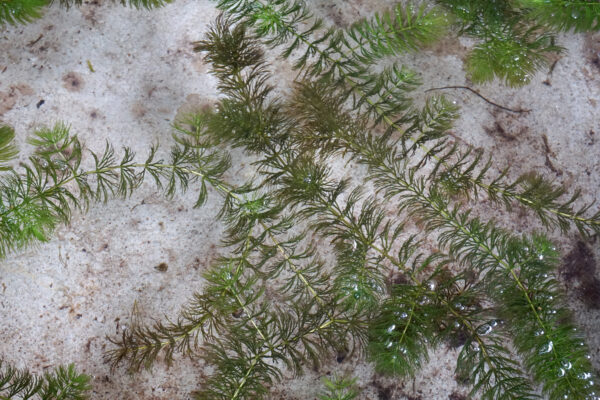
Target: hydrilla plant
<point>491,287</point>
<point>13,12</point>
<point>64,383</point>
<point>274,301</point>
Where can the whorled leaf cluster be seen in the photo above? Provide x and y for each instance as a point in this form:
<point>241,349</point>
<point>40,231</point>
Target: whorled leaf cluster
<point>64,383</point>
<point>274,300</point>
<point>13,12</point>
<point>491,287</point>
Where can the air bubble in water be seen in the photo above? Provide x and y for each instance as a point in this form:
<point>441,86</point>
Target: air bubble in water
<point>547,348</point>
<point>484,329</point>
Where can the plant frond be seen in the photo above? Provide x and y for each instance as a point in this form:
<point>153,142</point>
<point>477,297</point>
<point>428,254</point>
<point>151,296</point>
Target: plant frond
<point>402,332</point>
<point>15,12</point>
<point>339,388</point>
<point>63,383</point>
<point>8,150</point>
<point>405,28</point>
<point>513,58</point>
<point>564,15</point>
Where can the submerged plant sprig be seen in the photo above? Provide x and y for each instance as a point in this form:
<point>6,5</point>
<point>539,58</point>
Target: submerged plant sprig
<point>63,383</point>
<point>53,182</point>
<point>14,12</point>
<point>302,183</point>
<point>337,68</point>
<point>496,254</point>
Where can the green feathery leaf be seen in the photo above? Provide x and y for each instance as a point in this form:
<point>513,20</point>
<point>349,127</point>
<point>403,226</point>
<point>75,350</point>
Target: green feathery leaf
<point>64,383</point>
<point>8,150</point>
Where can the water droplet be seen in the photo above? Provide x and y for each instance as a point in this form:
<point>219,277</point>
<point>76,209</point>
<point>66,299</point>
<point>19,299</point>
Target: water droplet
<point>575,14</point>
<point>459,307</point>
<point>391,328</point>
<point>404,315</point>
<point>403,350</point>
<point>388,344</point>
<point>456,324</point>
<point>541,256</point>
<point>561,372</point>
<point>547,348</point>
<point>43,163</point>
<point>484,329</point>
<point>567,365</point>
<point>431,285</point>
<point>584,375</point>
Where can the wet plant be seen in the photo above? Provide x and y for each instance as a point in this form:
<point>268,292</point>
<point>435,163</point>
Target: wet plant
<point>387,263</point>
<point>484,283</point>
<point>64,383</point>
<point>14,12</point>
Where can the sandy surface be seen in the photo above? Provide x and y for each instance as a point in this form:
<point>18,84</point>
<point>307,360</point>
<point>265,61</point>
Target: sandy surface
<point>59,300</point>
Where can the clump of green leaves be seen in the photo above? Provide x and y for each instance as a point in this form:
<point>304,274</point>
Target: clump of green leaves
<point>516,37</point>
<point>270,301</point>
<point>339,388</point>
<point>13,12</point>
<point>491,288</point>
<point>64,383</point>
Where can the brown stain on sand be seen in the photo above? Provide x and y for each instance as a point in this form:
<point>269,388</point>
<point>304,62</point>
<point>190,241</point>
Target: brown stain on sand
<point>73,82</point>
<point>8,98</point>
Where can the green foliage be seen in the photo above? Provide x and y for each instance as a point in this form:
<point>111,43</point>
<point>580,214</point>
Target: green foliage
<point>340,68</point>
<point>512,48</point>
<point>406,28</point>
<point>64,383</point>
<point>8,150</point>
<point>53,182</point>
<point>564,15</point>
<point>517,36</point>
<point>319,319</point>
<point>270,303</point>
<point>293,143</point>
<point>339,388</point>
<point>15,12</point>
